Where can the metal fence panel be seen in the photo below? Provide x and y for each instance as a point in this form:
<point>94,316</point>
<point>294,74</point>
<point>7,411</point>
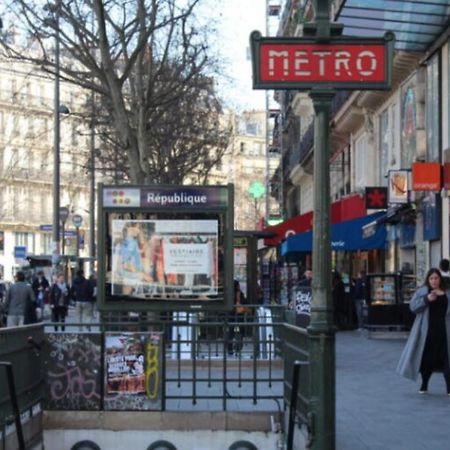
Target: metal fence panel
<point>73,367</point>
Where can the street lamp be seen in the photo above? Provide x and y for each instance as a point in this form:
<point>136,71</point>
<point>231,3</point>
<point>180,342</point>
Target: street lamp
<point>56,9</point>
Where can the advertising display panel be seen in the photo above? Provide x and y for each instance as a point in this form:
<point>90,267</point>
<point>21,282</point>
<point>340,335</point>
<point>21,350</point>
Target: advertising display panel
<point>165,248</point>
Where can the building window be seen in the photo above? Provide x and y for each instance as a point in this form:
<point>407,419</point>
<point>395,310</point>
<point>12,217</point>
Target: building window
<point>74,135</point>
<point>384,146</point>
<point>25,239</point>
<point>47,242</point>
<point>408,128</point>
<point>433,106</point>
<point>361,158</point>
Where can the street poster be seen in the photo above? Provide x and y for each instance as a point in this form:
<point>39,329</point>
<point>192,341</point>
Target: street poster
<point>152,258</point>
<point>133,370</point>
<point>302,306</point>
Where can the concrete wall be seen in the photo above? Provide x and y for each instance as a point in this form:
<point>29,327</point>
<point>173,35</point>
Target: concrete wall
<point>136,430</point>
<point>140,440</point>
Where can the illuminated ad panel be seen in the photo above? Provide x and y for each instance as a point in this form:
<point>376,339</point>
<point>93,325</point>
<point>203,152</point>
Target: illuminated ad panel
<point>165,247</point>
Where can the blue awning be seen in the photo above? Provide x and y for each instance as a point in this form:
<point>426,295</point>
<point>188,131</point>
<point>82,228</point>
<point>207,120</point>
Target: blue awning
<point>345,236</point>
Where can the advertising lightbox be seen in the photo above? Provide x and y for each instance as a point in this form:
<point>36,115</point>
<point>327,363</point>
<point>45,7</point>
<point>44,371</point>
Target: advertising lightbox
<point>165,247</point>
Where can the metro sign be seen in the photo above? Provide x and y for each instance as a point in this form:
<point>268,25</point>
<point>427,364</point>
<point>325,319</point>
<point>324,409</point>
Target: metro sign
<point>303,63</point>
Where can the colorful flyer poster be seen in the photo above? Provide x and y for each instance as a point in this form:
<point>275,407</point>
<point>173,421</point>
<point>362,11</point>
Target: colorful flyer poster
<point>133,371</point>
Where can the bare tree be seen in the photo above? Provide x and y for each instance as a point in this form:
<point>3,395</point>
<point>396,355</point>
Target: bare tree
<point>147,62</point>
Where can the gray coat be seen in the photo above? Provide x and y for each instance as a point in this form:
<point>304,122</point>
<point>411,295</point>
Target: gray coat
<point>18,297</point>
<point>411,358</point>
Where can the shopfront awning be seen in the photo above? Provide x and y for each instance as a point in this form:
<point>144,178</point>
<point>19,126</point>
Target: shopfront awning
<point>347,208</point>
<point>345,236</point>
<point>416,24</point>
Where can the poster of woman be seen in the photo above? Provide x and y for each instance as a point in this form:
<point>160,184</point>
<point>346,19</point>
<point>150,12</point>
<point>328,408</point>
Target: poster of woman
<point>151,258</point>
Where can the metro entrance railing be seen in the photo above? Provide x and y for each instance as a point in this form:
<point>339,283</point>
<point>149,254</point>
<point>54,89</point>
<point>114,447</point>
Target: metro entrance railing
<point>209,362</point>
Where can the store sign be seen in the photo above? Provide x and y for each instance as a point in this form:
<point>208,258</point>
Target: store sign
<point>165,197</point>
<point>376,197</point>
<point>302,63</point>
<point>398,186</point>
<point>426,176</point>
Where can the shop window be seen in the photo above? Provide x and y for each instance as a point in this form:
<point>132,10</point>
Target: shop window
<point>432,109</point>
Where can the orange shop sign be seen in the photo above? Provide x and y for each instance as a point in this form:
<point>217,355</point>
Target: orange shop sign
<point>426,176</point>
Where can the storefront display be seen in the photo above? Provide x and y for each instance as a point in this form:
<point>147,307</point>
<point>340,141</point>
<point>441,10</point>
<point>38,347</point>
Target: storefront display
<point>388,296</point>
<point>383,299</point>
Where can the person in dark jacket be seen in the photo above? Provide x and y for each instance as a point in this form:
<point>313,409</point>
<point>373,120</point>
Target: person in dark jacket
<point>19,300</point>
<point>427,349</point>
<point>83,293</point>
<point>240,314</point>
<point>59,301</point>
<point>41,289</point>
<point>339,302</point>
<point>359,294</point>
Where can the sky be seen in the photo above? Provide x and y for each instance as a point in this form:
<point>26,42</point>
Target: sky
<point>236,19</point>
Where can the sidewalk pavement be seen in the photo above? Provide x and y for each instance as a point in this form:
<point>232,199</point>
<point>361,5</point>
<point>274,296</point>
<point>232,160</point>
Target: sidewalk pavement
<point>376,409</point>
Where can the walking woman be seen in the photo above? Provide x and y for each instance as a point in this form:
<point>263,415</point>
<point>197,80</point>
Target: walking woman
<point>427,348</point>
<point>59,301</point>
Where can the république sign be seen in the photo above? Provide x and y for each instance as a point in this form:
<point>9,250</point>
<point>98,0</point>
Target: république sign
<point>303,63</point>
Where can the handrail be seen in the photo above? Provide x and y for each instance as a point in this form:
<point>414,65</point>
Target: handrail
<point>293,402</point>
<point>15,406</point>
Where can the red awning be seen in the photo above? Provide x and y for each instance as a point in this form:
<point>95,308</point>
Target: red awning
<point>345,209</point>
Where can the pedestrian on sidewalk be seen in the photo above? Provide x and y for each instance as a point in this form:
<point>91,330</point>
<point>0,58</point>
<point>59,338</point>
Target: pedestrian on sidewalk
<point>41,288</point>
<point>339,301</point>
<point>359,295</point>
<point>427,348</point>
<point>19,300</point>
<point>238,315</point>
<point>83,293</point>
<point>444,267</point>
<point>59,301</point>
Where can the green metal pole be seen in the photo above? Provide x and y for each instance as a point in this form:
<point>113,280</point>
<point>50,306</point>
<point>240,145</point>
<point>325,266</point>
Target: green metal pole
<point>321,330</point>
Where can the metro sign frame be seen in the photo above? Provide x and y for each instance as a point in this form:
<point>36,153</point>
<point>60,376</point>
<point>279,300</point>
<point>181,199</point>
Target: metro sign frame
<point>304,63</point>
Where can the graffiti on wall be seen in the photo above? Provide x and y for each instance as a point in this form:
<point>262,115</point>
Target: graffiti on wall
<point>73,368</point>
<point>133,371</point>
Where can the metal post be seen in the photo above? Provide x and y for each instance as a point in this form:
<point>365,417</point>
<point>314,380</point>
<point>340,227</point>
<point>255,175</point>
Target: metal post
<point>321,330</point>
<point>267,136</point>
<point>63,232</point>
<point>56,153</point>
<point>92,187</point>
<point>77,251</point>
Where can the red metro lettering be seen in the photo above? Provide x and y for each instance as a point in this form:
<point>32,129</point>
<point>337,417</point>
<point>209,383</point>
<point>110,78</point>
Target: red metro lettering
<point>326,63</point>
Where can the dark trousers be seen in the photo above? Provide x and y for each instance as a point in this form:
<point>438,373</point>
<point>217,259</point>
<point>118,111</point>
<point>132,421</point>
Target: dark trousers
<point>59,315</point>
<point>231,332</point>
<point>426,375</point>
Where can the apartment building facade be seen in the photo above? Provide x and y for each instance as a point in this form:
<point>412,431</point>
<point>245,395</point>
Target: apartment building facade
<point>374,134</point>
<point>26,164</point>
<point>247,164</point>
